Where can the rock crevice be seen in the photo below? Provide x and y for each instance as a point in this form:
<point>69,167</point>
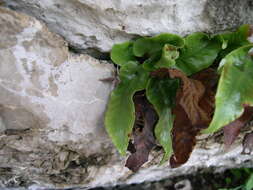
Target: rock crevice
<point>99,24</point>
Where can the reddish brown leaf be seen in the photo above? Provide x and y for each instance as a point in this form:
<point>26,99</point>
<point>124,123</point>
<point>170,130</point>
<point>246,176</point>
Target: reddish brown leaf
<point>247,143</point>
<point>183,137</point>
<point>209,79</point>
<point>192,92</point>
<point>193,110</point>
<point>232,130</point>
<point>144,139</point>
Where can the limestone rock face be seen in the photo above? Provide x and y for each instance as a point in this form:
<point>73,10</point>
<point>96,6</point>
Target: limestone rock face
<point>52,104</point>
<point>99,24</point>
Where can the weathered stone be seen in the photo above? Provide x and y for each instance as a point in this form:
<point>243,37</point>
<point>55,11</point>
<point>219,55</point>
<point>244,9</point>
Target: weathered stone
<point>51,106</point>
<point>100,24</point>
<point>51,117</point>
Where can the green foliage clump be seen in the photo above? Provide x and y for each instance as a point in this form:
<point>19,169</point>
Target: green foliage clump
<point>190,55</point>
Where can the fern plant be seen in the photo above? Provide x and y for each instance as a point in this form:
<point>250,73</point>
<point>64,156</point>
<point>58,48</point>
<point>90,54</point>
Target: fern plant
<point>165,69</point>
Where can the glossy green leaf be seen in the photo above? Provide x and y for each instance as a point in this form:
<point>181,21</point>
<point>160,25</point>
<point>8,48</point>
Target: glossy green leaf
<point>198,53</point>
<point>232,40</point>
<point>169,55</point>
<point>122,53</point>
<point>120,115</point>
<point>151,45</point>
<point>166,60</point>
<point>150,62</point>
<point>161,93</point>
<point>235,88</point>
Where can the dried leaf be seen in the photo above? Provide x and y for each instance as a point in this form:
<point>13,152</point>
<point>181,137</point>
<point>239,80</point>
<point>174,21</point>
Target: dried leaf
<point>247,143</point>
<point>209,79</point>
<point>184,137</point>
<point>193,111</point>
<point>144,139</point>
<point>192,93</point>
<point>232,130</point>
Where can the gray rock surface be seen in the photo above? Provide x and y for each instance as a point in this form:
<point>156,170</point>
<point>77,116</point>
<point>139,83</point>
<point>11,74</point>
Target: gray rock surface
<point>99,23</point>
<point>51,116</point>
<point>51,106</point>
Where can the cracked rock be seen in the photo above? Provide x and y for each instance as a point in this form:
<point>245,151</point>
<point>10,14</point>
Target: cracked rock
<point>99,24</point>
<point>51,106</point>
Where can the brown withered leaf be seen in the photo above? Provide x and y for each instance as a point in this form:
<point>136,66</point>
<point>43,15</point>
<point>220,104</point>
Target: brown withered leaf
<point>209,79</point>
<point>232,130</point>
<point>183,137</point>
<point>193,110</point>
<point>247,143</point>
<point>144,139</point>
<point>192,92</point>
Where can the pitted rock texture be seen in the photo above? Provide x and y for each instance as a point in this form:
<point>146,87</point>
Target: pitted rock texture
<point>99,24</point>
<point>51,107</point>
<point>52,104</point>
